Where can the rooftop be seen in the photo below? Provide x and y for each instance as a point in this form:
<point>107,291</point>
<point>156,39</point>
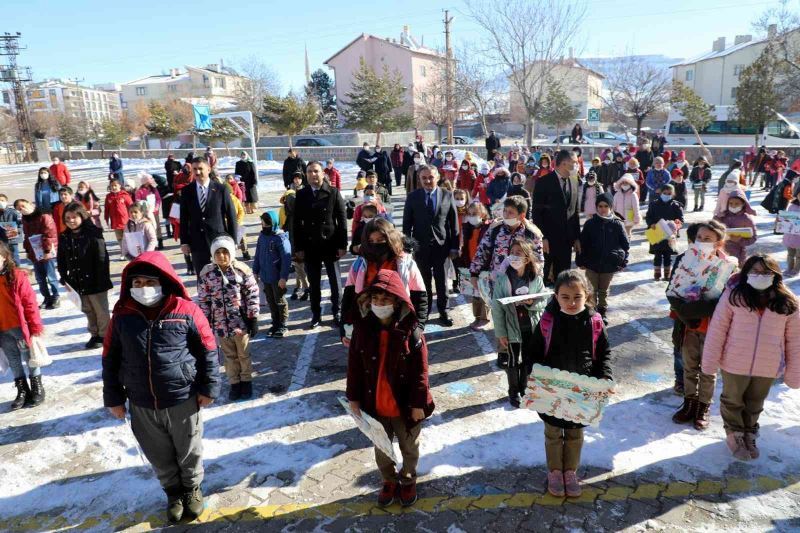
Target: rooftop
<point>406,41</point>
<point>714,54</point>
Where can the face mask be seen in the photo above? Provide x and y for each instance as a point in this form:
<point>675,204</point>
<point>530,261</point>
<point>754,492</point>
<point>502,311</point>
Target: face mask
<point>511,222</point>
<point>516,261</point>
<point>573,172</point>
<point>375,251</point>
<point>382,311</point>
<point>760,282</point>
<point>666,197</point>
<point>591,181</point>
<point>464,167</point>
<point>575,312</point>
<point>377,148</point>
<point>367,220</point>
<point>625,188</point>
<point>704,247</point>
<point>3,204</point>
<point>735,209</point>
<point>609,216</point>
<point>730,184</point>
<point>369,198</point>
<point>461,203</point>
<point>449,158</point>
<point>474,220</point>
<point>43,176</point>
<point>147,296</point>
<point>417,160</point>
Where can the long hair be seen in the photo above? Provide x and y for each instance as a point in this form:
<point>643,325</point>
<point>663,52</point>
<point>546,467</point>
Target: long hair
<point>89,193</point>
<point>779,299</point>
<point>77,208</point>
<point>55,186</point>
<point>9,270</point>
<point>532,265</point>
<point>575,277</point>
<point>393,237</point>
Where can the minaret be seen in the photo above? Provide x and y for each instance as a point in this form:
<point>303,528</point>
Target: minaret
<point>308,69</point>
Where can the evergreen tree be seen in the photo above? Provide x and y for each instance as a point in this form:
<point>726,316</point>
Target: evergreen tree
<point>161,123</point>
<point>114,133</point>
<point>557,109</point>
<point>373,101</point>
<point>71,131</point>
<point>289,115</point>
<point>221,131</point>
<point>756,96</point>
<point>321,88</point>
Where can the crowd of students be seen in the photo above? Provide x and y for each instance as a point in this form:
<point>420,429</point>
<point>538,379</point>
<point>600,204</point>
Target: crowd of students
<point>495,229</point>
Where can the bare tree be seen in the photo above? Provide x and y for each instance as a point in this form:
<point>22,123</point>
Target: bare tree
<point>477,85</point>
<point>525,38</point>
<point>137,120</point>
<point>636,90</point>
<point>259,82</point>
<point>431,101</point>
<point>781,26</point>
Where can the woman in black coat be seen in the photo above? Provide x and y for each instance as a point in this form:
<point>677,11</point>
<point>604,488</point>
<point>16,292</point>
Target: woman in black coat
<point>247,170</point>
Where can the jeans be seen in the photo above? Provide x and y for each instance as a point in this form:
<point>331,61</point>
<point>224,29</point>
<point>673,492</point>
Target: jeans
<point>47,279</point>
<point>16,350</point>
<point>14,252</point>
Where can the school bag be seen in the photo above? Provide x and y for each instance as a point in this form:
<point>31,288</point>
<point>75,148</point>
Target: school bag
<point>546,324</point>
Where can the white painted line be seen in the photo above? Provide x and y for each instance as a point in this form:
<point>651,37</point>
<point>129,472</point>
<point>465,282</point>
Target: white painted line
<point>303,362</point>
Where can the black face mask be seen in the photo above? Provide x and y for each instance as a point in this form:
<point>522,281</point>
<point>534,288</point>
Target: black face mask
<point>375,251</point>
<point>266,230</point>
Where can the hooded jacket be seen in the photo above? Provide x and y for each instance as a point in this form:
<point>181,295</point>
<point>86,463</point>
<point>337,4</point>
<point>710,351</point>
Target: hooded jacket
<point>742,219</point>
<point>506,322</point>
<point>626,204</point>
<point>228,298</point>
<point>42,224</point>
<point>273,257</point>
<point>604,245</point>
<point>406,362</point>
<point>661,210</point>
<point>83,259</point>
<point>30,321</point>
<point>148,229</point>
<point>725,191</point>
<point>162,362</point>
<point>116,209</point>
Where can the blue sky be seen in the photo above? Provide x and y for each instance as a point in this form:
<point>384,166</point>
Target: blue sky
<point>99,42</point>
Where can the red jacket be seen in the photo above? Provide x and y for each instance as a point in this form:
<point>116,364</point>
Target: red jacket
<point>38,223</point>
<point>407,361</point>
<point>465,180</point>
<point>61,173</point>
<point>58,217</point>
<point>479,190</point>
<point>116,210</point>
<point>334,177</point>
<point>30,322</point>
<point>397,157</point>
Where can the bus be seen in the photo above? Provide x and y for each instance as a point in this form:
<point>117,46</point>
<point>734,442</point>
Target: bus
<point>726,131</point>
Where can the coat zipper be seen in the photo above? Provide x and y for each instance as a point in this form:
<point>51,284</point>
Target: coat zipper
<point>758,333</point>
<point>150,325</point>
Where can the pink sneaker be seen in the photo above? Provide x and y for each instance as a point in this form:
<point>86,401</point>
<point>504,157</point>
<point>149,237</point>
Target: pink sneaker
<point>572,485</point>
<point>555,483</point>
<point>737,446</point>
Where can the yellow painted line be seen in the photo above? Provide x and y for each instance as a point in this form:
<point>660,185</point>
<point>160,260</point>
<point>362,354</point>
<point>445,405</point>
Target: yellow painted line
<point>430,504</point>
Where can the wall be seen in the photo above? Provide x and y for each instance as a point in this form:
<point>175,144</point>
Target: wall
<point>352,138</point>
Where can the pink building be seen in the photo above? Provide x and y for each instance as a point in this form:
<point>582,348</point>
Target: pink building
<point>417,64</point>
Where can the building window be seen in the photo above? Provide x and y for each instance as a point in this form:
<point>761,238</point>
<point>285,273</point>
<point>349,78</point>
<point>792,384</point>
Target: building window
<point>219,82</point>
<point>173,88</point>
<point>141,91</point>
<point>737,70</point>
<point>205,80</point>
<point>6,97</point>
<point>734,90</point>
<point>52,92</point>
<point>423,71</point>
<point>689,75</point>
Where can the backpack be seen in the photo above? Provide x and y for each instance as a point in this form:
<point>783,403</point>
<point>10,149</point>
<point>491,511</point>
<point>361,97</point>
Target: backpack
<point>546,324</point>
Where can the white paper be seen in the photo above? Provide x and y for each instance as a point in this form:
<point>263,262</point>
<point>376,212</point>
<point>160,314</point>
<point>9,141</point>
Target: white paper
<point>73,297</point>
<point>175,210</point>
<point>36,244</point>
<point>372,429</point>
<point>523,297</point>
<point>134,242</point>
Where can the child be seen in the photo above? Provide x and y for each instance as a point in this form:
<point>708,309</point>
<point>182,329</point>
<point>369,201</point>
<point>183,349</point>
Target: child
<point>729,184</point>
<point>148,192</point>
<point>514,323</point>
<point>461,199</point>
<point>116,211</point>
<point>449,168</point>
<point>632,168</point>
<point>699,178</point>
<point>333,175</point>
<point>271,265</point>
<point>698,387</point>
<point>626,202</point>
<point>42,250</point>
<point>518,189</point>
<point>792,242</point>
<point>738,214</point>
<point>227,293</point>
<point>65,197</point>
<point>368,214</point>
<point>656,178</point>
<point>482,181</point>
<point>604,250</point>
<point>83,265</point>
<point>46,190</point>
<point>663,208</point>
<point>138,222</point>
<point>679,329</point>
<point>679,185</point>
<point>387,378</point>
<point>498,188</point>
<point>286,216</point>
<point>466,177</point>
<point>592,190</point>
<point>90,201</point>
<point>755,330</point>
<point>21,321</point>
<point>572,348</point>
<point>473,228</point>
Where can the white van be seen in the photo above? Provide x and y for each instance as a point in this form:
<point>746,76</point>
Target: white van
<point>724,130</point>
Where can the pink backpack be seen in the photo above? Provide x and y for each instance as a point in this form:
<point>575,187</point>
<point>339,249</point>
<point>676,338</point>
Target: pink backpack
<point>546,324</point>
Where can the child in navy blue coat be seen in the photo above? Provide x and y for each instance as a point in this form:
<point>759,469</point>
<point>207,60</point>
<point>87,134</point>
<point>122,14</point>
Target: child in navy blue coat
<point>271,265</point>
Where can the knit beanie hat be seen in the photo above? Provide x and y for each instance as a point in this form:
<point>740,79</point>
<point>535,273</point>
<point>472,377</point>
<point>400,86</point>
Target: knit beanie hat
<point>605,198</point>
<point>223,241</point>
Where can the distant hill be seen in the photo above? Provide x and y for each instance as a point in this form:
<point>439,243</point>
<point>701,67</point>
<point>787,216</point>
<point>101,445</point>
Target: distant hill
<point>601,64</point>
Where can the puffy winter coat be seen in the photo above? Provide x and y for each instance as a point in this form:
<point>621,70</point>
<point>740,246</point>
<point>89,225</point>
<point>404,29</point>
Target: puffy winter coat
<point>143,192</point>
<point>30,322</point>
<point>495,246</point>
<point>83,260</point>
<point>789,240</point>
<point>228,298</point>
<point>465,180</point>
<point>334,177</point>
<point>506,322</point>
<point>38,223</point>
<point>588,198</point>
<point>604,245</point>
<point>9,218</point>
<point>482,182</point>
<point>273,257</point>
<point>61,173</point>
<point>626,204</point>
<point>498,188</point>
<point>747,343</point>
<point>656,179</point>
<point>162,362</point>
<point>406,361</point>
<point>116,209</point>
<point>658,210</point>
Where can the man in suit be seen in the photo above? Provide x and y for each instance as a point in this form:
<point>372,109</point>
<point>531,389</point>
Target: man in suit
<point>555,211</point>
<point>206,212</point>
<point>320,237</point>
<point>430,217</point>
<point>293,163</point>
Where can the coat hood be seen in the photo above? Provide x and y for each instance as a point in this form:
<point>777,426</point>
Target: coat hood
<point>389,281</point>
<point>741,196</point>
<point>626,179</point>
<point>151,263</point>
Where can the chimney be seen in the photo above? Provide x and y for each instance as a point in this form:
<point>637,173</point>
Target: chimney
<point>742,39</point>
<point>571,53</point>
<point>214,67</point>
<point>772,31</point>
<point>719,45</point>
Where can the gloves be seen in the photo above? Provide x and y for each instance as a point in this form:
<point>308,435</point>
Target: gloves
<point>252,326</point>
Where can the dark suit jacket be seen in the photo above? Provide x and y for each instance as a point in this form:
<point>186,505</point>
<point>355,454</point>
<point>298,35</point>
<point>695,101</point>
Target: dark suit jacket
<point>440,230</point>
<point>558,220</point>
<point>319,224</point>
<point>199,228</point>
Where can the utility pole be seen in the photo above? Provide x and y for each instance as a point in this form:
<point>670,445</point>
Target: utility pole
<point>17,76</point>
<point>448,75</point>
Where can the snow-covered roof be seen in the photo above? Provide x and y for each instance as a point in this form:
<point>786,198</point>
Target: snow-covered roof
<point>721,53</point>
<point>159,78</point>
<point>404,44</point>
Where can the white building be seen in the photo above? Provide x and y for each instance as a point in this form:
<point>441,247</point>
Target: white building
<point>214,85</point>
<point>94,104</point>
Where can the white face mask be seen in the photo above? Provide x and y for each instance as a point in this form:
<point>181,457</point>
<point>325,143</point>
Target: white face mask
<point>704,247</point>
<point>591,181</point>
<point>625,188</point>
<point>760,282</point>
<point>3,204</point>
<point>516,262</point>
<point>367,220</point>
<point>417,160</point>
<point>43,176</point>
<point>368,198</point>
<point>461,203</point>
<point>511,222</point>
<point>449,158</point>
<point>474,220</point>
<point>464,167</point>
<point>147,296</point>
<point>735,209</point>
<point>382,311</point>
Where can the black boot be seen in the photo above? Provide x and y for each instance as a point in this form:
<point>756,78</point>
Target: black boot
<point>246,390</point>
<point>189,264</point>
<point>192,502</point>
<point>37,392</point>
<point>246,255</point>
<point>23,393</point>
<point>160,244</point>
<point>235,392</point>
<point>174,504</point>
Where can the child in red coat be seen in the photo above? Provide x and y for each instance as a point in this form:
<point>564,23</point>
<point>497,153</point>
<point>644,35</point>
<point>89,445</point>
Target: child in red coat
<point>333,175</point>
<point>116,209</point>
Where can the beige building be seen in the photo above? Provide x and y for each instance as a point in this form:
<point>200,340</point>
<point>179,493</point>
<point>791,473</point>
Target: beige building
<point>214,85</point>
<point>57,96</point>
<point>416,63</point>
<point>582,85</point>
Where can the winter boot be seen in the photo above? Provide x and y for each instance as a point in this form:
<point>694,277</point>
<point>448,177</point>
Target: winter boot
<point>387,494</point>
<point>23,393</point>
<point>657,273</point>
<point>555,483</point>
<point>737,446</point>
<point>408,494</point>
<point>160,244</point>
<point>686,413</point>
<point>305,295</point>
<point>750,444</point>
<point>701,417</point>
<point>192,502</point>
<point>677,388</point>
<point>93,343</point>
<point>571,485</point>
<point>174,504</point>
<point>246,255</point>
<point>667,273</point>
<point>54,303</point>
<point>294,293</point>
<point>235,392</point>
<point>189,264</point>
<point>246,389</point>
<point>37,392</point>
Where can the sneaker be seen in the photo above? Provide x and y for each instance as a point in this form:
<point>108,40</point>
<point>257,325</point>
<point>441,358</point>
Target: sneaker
<point>479,325</point>
<point>304,296</point>
<point>174,504</point>
<point>445,319</point>
<point>192,503</point>
<point>387,493</point>
<point>502,360</point>
<point>737,446</point>
<point>235,392</point>
<point>555,483</point>
<point>750,444</point>
<point>53,304</point>
<point>279,333</point>
<point>514,401</point>
<point>573,488</point>
<point>246,255</point>
<point>271,331</point>
<point>93,343</point>
<point>315,322</point>
<point>408,494</point>
<point>686,413</point>
<point>294,294</point>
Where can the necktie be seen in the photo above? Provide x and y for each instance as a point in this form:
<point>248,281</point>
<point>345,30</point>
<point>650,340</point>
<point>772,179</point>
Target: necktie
<point>566,189</point>
<point>202,198</point>
<point>429,204</point>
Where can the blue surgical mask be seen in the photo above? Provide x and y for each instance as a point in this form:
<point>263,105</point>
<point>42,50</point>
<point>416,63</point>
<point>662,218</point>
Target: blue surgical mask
<point>666,197</point>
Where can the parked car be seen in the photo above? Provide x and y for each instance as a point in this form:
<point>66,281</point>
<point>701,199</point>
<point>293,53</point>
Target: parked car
<point>190,146</point>
<point>564,139</point>
<point>459,139</point>
<point>608,137</point>
<point>312,141</point>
